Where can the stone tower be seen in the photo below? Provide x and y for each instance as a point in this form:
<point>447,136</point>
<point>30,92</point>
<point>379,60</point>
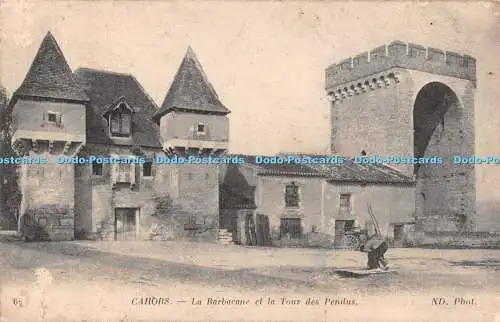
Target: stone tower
<point>406,100</point>
<point>193,123</point>
<point>48,113</point>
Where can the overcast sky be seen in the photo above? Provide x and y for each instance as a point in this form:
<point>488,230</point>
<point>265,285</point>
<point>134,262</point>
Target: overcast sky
<point>266,60</point>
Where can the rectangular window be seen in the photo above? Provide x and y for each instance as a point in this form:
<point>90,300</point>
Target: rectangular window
<point>124,173</point>
<point>345,201</point>
<point>96,169</point>
<point>147,168</point>
<point>115,123</point>
<point>292,195</point>
<point>121,124</point>
<point>52,117</point>
<point>126,120</point>
<point>291,228</point>
<point>201,128</point>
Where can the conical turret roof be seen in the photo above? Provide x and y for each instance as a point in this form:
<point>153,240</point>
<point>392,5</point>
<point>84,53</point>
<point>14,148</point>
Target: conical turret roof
<point>50,75</point>
<point>191,90</point>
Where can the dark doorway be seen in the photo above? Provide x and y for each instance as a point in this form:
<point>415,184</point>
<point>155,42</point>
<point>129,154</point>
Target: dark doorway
<point>399,235</point>
<point>126,223</point>
<point>341,228</point>
<point>263,230</point>
<point>250,234</point>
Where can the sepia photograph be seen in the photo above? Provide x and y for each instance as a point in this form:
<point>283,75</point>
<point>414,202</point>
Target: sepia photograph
<point>257,161</point>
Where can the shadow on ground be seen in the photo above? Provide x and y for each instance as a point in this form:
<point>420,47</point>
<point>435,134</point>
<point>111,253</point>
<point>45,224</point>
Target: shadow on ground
<point>485,263</point>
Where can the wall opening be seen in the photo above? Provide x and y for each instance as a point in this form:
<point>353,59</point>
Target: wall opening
<point>437,120</point>
<point>435,106</point>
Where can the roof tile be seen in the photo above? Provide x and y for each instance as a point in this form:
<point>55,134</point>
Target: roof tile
<point>191,90</point>
<point>50,76</point>
<point>105,88</point>
<point>348,171</point>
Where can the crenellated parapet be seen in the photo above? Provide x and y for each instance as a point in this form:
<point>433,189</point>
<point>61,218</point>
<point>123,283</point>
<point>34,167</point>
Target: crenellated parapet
<point>399,55</point>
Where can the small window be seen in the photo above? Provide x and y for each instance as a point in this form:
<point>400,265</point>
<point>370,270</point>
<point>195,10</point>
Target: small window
<point>292,195</point>
<point>345,201</point>
<point>147,169</point>
<point>5,180</point>
<point>97,169</point>
<point>52,117</point>
<point>201,128</point>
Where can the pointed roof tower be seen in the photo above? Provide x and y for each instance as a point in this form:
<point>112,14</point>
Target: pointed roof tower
<point>191,90</point>
<point>50,76</point>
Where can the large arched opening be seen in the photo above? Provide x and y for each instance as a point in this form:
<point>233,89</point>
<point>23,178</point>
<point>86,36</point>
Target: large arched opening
<point>437,125</point>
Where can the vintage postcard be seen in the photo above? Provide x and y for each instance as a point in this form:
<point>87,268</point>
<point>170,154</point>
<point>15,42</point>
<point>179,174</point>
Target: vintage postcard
<point>249,161</point>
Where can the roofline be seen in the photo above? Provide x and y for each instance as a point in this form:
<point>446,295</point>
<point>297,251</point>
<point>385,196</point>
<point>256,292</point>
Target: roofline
<point>95,70</point>
<point>116,104</point>
<point>16,96</point>
<point>372,182</point>
<point>159,114</point>
<point>150,99</point>
<point>292,174</point>
<point>102,71</point>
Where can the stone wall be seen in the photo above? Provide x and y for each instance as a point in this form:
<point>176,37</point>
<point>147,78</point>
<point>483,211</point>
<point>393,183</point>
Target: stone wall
<point>192,188</point>
<point>375,118</point>
<point>405,55</point>
<point>390,204</point>
<point>30,121</point>
<point>50,184</point>
<point>198,195</point>
<point>271,202</point>
<point>376,108</point>
<point>451,240</point>
<point>178,125</point>
<point>49,222</point>
<point>320,202</point>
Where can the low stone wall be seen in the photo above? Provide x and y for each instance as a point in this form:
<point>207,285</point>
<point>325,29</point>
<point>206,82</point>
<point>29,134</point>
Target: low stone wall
<point>466,240</point>
<point>52,222</point>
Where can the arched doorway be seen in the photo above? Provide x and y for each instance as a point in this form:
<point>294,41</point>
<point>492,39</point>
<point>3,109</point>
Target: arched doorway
<point>438,132</point>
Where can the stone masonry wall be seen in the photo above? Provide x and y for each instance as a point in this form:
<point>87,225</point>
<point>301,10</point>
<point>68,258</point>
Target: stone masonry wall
<point>404,55</point>
<point>373,98</point>
<point>375,118</point>
<point>46,189</point>
<point>180,125</point>
<point>198,195</point>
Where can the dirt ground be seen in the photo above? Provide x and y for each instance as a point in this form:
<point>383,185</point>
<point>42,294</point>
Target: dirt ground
<point>179,281</point>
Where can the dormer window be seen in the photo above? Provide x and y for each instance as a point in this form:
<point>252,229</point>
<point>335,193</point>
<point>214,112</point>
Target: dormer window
<point>121,121</point>
<point>119,118</point>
